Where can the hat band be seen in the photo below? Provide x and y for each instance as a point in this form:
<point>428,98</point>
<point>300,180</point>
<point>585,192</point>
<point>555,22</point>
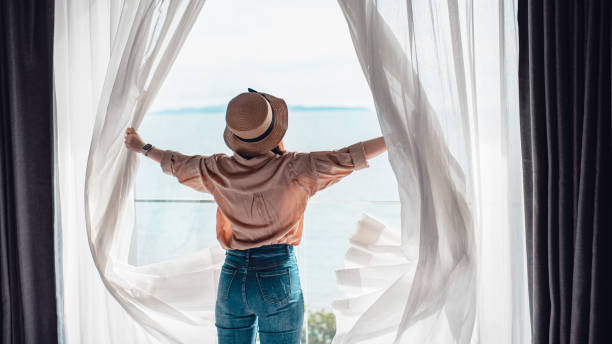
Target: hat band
<point>262,136</point>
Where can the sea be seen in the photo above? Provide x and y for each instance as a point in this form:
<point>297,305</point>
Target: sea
<point>172,219</point>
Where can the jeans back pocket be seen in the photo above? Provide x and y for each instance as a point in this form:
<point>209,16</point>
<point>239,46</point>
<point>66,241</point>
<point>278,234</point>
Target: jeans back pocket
<point>225,282</point>
<point>275,286</point>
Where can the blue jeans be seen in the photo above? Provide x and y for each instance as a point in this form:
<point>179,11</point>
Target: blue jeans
<point>259,290</point>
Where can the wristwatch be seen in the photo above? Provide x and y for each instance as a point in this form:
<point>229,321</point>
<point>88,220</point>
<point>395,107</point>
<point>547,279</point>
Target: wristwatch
<point>146,148</point>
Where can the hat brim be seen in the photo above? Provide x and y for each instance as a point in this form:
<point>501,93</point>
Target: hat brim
<point>279,108</point>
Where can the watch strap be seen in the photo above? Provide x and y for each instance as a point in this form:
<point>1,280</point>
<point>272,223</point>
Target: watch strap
<point>146,148</point>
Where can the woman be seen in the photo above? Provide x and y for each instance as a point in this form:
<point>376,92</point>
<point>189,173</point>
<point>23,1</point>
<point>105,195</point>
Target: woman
<point>261,192</point>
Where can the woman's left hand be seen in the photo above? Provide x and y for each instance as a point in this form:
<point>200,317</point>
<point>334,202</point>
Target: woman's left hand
<point>133,141</point>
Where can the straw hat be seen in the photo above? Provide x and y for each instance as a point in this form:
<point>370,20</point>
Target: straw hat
<point>255,122</point>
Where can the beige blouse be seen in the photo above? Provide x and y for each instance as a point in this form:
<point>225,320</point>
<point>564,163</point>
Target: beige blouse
<point>261,200</point>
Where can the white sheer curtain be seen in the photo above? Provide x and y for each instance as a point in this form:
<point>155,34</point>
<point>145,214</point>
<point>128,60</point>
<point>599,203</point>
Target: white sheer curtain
<point>110,60</point>
<point>443,75</point>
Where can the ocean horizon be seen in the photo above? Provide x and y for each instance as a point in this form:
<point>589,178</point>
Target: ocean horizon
<point>215,109</point>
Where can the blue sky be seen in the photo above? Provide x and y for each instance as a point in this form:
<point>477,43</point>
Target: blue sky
<point>299,51</point>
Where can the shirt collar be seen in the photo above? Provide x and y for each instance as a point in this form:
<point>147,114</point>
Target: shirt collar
<point>258,158</point>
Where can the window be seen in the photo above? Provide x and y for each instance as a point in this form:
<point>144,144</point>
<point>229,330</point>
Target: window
<point>316,71</point>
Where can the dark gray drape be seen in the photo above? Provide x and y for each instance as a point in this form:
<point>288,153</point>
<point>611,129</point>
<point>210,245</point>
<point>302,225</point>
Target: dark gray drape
<point>27,282</point>
<point>565,96</point>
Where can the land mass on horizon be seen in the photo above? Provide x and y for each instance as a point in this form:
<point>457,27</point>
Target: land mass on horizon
<point>221,108</point>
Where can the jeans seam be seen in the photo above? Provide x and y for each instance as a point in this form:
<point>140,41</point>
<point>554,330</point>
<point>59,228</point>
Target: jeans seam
<point>279,332</point>
<point>246,274</point>
<point>244,292</point>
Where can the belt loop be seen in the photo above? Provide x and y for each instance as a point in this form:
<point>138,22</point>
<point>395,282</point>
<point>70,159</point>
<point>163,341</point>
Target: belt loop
<point>287,249</point>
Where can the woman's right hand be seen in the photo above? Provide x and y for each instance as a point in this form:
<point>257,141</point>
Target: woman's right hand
<point>133,141</point>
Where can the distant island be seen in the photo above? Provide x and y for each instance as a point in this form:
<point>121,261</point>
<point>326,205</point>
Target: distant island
<point>221,109</point>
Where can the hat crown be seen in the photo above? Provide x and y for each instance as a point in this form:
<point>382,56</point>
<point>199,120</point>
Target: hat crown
<point>248,114</point>
<point>255,122</point>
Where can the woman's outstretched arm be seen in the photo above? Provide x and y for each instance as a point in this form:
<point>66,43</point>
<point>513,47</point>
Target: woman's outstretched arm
<point>374,147</point>
<point>327,167</point>
<point>190,170</point>
<point>155,154</point>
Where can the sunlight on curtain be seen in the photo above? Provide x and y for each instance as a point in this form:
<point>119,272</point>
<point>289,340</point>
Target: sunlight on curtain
<point>110,58</point>
<point>444,79</point>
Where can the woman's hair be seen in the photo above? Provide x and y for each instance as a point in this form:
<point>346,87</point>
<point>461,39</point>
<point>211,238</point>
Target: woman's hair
<point>278,150</point>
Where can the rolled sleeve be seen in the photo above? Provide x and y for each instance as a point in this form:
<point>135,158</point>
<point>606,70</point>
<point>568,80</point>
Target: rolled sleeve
<point>166,163</point>
<point>358,155</point>
<point>329,167</point>
<point>189,170</point>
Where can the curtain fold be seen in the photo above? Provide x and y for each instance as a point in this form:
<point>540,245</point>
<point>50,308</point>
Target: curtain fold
<point>27,271</point>
<point>443,75</point>
<point>566,87</point>
<point>110,60</point>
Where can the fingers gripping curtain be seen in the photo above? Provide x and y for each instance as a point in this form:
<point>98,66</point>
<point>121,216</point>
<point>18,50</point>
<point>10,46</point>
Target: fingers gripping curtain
<point>443,78</point>
<point>110,60</point>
